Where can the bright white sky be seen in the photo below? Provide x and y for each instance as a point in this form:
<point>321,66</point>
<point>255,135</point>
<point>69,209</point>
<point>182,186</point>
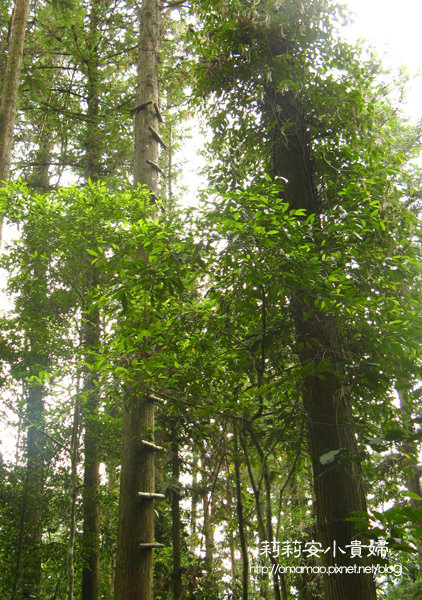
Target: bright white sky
<point>394,28</point>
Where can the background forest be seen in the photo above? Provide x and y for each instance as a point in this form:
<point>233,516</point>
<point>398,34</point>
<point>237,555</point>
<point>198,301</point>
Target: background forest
<point>219,402</point>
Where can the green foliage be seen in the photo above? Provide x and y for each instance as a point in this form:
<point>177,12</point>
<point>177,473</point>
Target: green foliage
<point>197,306</point>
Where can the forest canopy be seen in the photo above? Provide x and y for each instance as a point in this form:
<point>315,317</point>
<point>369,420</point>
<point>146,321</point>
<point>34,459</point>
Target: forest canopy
<point>218,402</point>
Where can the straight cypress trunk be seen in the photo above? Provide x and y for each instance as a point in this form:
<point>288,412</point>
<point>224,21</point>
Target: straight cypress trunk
<point>136,515</point>
<point>91,488</point>
<point>147,114</point>
<point>338,491</point>
<point>111,467</point>
<point>175,515</point>
<point>91,328</point>
<point>134,562</point>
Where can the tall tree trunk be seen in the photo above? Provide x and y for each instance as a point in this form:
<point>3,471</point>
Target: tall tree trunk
<point>91,328</point>
<point>111,466</point>
<point>147,116</point>
<point>135,540</point>
<point>338,491</point>
<point>9,93</point>
<point>136,514</point>
<point>175,515</point>
<point>91,488</point>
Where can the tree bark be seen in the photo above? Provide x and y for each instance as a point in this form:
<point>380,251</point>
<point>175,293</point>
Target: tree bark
<point>338,490</point>
<point>136,515</point>
<point>111,467</point>
<point>91,328</point>
<point>91,488</point>
<point>147,96</point>
<point>176,520</point>
<point>9,94</point>
<point>134,564</point>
